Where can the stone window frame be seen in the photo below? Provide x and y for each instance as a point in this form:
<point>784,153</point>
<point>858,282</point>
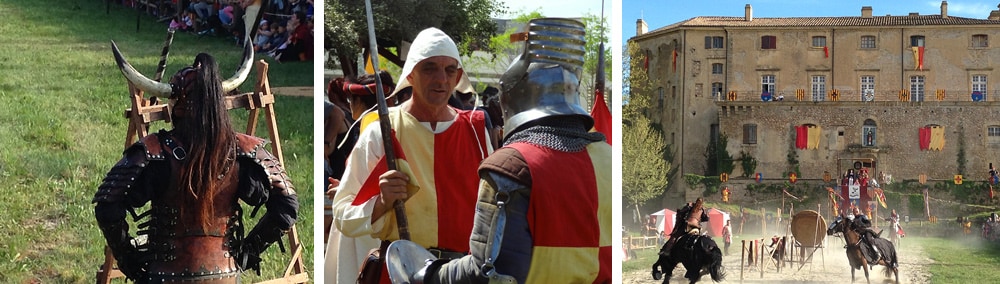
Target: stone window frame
<point>717,68</point>
<point>769,86</point>
<point>869,128</point>
<point>768,42</point>
<point>979,41</point>
<point>717,90</point>
<point>714,42</point>
<point>979,82</point>
<point>749,134</point>
<point>993,135</point>
<point>918,41</point>
<point>818,87</point>
<point>818,41</point>
<point>917,88</point>
<point>869,42</point>
<point>867,85</point>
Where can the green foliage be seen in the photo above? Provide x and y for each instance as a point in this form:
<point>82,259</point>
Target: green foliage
<point>468,22</point>
<point>718,158</point>
<point>960,157</point>
<point>915,204</point>
<point>61,129</point>
<point>748,163</point>
<point>645,175</point>
<point>692,180</point>
<point>637,91</point>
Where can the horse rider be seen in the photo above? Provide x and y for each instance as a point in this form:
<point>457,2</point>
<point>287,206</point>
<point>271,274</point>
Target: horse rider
<point>691,216</point>
<point>863,226</point>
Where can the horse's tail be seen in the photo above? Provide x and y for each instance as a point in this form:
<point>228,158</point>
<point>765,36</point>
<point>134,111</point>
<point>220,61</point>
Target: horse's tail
<point>715,269</point>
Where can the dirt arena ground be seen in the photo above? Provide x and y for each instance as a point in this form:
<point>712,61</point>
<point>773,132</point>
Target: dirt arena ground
<point>912,269</point>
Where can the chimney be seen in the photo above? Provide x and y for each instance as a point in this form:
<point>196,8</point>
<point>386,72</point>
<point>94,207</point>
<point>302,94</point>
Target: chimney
<point>749,13</point>
<point>994,15</point>
<point>641,27</point>
<point>944,9</point>
<point>866,12</point>
<point>914,14</point>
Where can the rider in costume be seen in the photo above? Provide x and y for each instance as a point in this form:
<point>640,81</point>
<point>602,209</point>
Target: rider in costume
<point>193,175</point>
<point>863,226</point>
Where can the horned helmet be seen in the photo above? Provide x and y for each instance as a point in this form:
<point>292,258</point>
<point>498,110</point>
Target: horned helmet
<point>183,80</point>
<point>544,80</point>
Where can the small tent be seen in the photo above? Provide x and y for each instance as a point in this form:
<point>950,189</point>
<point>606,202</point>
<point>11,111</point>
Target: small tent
<point>716,220</point>
<point>665,220</point>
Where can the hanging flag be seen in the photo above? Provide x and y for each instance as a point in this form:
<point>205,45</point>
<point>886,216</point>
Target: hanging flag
<point>600,112</point>
<point>801,137</point>
<point>833,201</point>
<point>918,57</point>
<point>675,60</point>
<point>881,197</point>
<point>826,52</point>
<point>645,64</point>
<point>369,69</point>
<point>937,138</point>
<point>925,138</point>
<point>815,133</point>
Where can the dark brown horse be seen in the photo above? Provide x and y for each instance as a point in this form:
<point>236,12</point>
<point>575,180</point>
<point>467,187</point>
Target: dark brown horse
<point>855,248</point>
<point>699,254</point>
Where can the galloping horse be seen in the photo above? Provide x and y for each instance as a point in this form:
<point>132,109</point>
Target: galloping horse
<point>699,254</point>
<point>855,256</point>
<point>894,231</point>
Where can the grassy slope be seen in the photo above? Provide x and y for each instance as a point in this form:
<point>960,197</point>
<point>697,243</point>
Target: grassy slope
<point>61,129</point>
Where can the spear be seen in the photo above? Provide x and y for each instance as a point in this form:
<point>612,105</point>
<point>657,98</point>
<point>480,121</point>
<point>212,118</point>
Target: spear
<point>384,126</point>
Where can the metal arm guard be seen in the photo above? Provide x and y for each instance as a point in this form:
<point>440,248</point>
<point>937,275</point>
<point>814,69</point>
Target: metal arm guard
<point>115,197</point>
<point>259,165</point>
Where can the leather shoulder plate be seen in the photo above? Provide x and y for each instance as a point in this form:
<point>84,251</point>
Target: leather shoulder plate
<point>252,148</point>
<point>123,174</point>
<point>508,162</point>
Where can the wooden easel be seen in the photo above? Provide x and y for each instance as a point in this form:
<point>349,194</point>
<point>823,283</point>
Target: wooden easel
<point>143,112</point>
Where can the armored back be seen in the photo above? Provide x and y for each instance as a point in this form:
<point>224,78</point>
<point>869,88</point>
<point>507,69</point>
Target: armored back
<point>545,79</point>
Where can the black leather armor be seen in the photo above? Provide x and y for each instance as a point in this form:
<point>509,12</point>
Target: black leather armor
<point>176,248</point>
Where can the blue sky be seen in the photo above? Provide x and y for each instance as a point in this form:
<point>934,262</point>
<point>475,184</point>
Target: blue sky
<point>660,13</point>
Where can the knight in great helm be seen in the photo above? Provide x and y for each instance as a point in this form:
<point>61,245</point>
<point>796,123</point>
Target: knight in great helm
<point>193,177</point>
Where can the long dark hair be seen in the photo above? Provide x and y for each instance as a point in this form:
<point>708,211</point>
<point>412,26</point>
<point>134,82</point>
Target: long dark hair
<point>207,134</point>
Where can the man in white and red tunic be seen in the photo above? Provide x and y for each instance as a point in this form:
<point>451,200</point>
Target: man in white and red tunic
<point>438,149</point>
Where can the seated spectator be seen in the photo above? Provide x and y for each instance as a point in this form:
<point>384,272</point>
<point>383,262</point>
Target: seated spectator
<point>264,33</point>
<point>300,40</point>
<point>179,23</point>
<point>278,38</point>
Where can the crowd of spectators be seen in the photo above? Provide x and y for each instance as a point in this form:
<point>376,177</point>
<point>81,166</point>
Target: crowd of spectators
<point>285,31</point>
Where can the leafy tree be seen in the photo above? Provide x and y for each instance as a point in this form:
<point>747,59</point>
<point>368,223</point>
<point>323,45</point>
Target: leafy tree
<point>468,22</point>
<point>637,84</point>
<point>748,163</point>
<point>719,160</point>
<point>644,175</point>
<point>596,37</point>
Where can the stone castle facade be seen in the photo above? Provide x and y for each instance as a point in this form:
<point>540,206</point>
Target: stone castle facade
<point>871,88</point>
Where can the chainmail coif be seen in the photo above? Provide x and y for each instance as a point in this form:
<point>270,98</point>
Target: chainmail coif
<point>565,134</point>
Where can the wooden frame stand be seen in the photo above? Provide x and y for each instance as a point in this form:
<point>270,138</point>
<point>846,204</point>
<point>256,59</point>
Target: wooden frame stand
<point>143,112</point>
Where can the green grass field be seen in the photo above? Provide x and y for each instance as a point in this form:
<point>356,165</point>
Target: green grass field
<point>61,129</point>
<point>966,260</point>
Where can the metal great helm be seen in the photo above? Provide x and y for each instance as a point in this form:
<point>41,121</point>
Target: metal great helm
<point>545,79</point>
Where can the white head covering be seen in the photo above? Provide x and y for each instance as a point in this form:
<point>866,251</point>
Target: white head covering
<point>429,43</point>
